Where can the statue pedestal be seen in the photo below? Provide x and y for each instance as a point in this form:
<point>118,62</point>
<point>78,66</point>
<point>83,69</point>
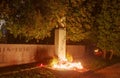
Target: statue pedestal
<point>60,43</point>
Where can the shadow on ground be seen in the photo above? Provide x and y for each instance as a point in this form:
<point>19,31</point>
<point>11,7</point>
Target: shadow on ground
<point>75,74</point>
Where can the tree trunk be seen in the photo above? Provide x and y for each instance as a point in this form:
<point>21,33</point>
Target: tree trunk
<point>111,54</point>
<point>104,54</point>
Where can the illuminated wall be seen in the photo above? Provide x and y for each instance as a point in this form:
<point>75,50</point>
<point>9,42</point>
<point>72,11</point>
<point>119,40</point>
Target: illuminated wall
<point>13,54</point>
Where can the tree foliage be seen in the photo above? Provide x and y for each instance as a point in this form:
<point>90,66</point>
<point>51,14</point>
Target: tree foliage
<point>93,20</point>
<point>78,21</point>
<point>34,19</point>
<point>108,26</point>
<point>26,19</point>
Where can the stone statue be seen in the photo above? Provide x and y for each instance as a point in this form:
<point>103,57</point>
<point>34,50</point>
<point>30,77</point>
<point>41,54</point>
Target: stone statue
<point>2,22</point>
<point>61,22</point>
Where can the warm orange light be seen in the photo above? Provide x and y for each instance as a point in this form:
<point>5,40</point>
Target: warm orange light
<point>68,66</point>
<point>64,64</point>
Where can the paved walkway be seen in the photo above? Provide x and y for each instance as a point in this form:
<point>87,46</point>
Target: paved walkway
<point>108,72</point>
<point>111,71</point>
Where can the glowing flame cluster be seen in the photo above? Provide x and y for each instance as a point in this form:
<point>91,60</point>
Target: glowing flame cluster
<point>64,64</point>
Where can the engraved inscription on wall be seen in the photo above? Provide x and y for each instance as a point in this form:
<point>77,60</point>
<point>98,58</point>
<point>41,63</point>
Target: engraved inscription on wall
<point>15,54</point>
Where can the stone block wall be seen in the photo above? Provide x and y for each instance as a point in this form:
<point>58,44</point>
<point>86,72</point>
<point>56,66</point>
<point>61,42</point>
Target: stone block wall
<point>14,54</point>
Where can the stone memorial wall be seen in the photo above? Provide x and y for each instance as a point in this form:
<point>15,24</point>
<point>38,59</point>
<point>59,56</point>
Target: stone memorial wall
<point>14,54</point>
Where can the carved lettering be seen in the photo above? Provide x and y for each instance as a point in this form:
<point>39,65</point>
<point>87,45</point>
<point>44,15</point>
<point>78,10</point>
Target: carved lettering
<point>3,49</point>
<point>16,49</point>
<point>8,49</point>
<point>0,49</point>
<point>20,49</point>
<point>27,48</point>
